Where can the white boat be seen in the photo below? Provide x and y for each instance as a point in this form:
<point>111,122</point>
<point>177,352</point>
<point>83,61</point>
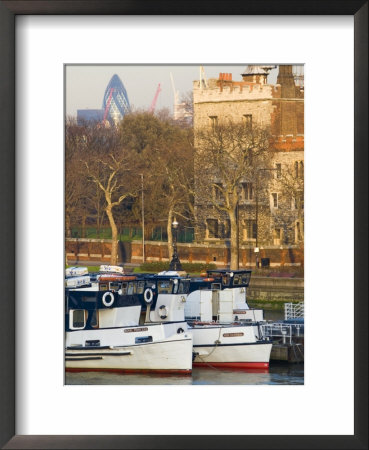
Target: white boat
<point>76,271</point>
<point>226,332</point>
<point>129,324</point>
<point>107,268</point>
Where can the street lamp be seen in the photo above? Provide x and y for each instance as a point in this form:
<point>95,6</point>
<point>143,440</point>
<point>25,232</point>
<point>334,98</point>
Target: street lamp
<point>175,263</point>
<point>256,250</point>
<point>143,218</point>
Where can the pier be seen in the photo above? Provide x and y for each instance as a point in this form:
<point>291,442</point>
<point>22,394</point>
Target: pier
<point>287,335</point>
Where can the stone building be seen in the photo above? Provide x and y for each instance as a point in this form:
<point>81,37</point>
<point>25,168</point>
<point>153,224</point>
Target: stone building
<point>270,205</point>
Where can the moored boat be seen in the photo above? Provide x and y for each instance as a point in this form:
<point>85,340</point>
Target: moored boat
<point>128,324</point>
<point>226,332</point>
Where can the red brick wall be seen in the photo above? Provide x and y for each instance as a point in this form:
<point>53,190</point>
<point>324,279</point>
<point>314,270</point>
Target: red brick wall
<point>96,250</point>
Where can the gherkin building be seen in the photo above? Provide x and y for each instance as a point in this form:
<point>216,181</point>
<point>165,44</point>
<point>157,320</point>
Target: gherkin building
<point>115,103</point>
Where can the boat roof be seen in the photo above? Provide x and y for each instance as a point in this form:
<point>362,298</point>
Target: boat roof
<point>228,271</point>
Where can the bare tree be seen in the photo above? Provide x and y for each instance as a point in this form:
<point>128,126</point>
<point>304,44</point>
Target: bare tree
<point>166,153</point>
<point>227,155</point>
<point>76,194</point>
<point>290,213</point>
<point>108,166</point>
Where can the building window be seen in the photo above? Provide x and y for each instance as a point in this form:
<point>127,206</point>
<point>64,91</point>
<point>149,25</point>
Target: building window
<point>247,191</point>
<point>299,169</point>
<point>298,234</point>
<point>247,118</point>
<point>274,200</point>
<point>213,121</point>
<point>278,167</point>
<point>227,229</point>
<point>212,228</point>
<point>298,201</point>
<point>217,191</point>
<point>277,235</point>
<point>250,230</point>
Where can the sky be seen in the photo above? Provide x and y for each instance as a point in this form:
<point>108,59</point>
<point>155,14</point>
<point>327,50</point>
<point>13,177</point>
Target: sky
<point>85,85</point>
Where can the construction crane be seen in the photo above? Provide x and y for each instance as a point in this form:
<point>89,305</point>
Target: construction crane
<point>155,99</point>
<point>108,104</point>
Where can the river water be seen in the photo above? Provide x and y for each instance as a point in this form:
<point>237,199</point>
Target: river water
<point>278,374</point>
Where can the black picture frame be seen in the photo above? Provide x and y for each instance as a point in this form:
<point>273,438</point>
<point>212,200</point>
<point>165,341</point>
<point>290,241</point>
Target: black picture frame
<point>8,11</point>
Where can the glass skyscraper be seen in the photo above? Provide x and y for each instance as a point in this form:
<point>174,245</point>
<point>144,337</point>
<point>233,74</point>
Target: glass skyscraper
<point>115,102</point>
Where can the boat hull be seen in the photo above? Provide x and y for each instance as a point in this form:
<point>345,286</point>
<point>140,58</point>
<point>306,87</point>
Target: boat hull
<point>147,348</point>
<point>238,356</point>
<point>164,357</point>
<point>231,346</point>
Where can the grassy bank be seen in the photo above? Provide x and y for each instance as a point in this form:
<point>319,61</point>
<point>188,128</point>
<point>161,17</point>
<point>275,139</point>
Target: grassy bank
<point>268,304</point>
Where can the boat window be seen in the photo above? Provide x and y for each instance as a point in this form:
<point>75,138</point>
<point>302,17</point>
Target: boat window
<point>131,288</point>
<point>215,274</point>
<point>140,287</point>
<point>114,286</point>
<point>215,286</point>
<point>88,298</point>
<point>103,286</point>
<point>78,319</point>
<point>124,288</point>
<point>150,284</point>
<point>237,280</point>
<point>143,339</point>
<point>175,288</point>
<point>184,287</point>
<point>225,280</point>
<point>246,278</point>
<point>165,286</point>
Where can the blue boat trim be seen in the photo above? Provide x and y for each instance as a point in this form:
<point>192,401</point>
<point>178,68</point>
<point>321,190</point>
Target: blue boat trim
<point>91,358</point>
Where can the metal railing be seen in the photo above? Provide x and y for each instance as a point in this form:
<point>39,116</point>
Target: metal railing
<point>286,331</point>
<point>293,310</point>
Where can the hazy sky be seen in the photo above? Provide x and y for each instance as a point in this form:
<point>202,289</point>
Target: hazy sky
<point>85,85</point>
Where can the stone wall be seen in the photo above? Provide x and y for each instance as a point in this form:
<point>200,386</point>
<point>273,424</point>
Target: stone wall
<point>93,250</point>
<point>265,288</point>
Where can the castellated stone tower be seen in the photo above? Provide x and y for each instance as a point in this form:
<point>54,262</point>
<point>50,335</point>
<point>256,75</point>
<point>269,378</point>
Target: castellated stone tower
<point>274,220</point>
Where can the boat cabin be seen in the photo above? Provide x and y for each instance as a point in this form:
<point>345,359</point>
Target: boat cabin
<point>123,300</point>
<point>220,296</point>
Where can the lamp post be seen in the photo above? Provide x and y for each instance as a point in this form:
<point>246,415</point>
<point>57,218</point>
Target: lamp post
<point>256,250</point>
<point>143,218</point>
<point>175,263</point>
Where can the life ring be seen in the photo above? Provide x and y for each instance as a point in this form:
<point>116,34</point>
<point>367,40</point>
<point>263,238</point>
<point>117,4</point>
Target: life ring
<point>163,312</point>
<point>106,302</point>
<point>148,295</point>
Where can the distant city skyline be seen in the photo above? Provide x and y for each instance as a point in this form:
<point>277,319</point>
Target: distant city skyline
<point>86,84</point>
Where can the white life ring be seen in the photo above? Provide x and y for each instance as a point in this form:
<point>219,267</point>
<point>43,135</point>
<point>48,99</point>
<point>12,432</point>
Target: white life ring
<point>106,302</point>
<point>148,295</point>
<point>163,312</point>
